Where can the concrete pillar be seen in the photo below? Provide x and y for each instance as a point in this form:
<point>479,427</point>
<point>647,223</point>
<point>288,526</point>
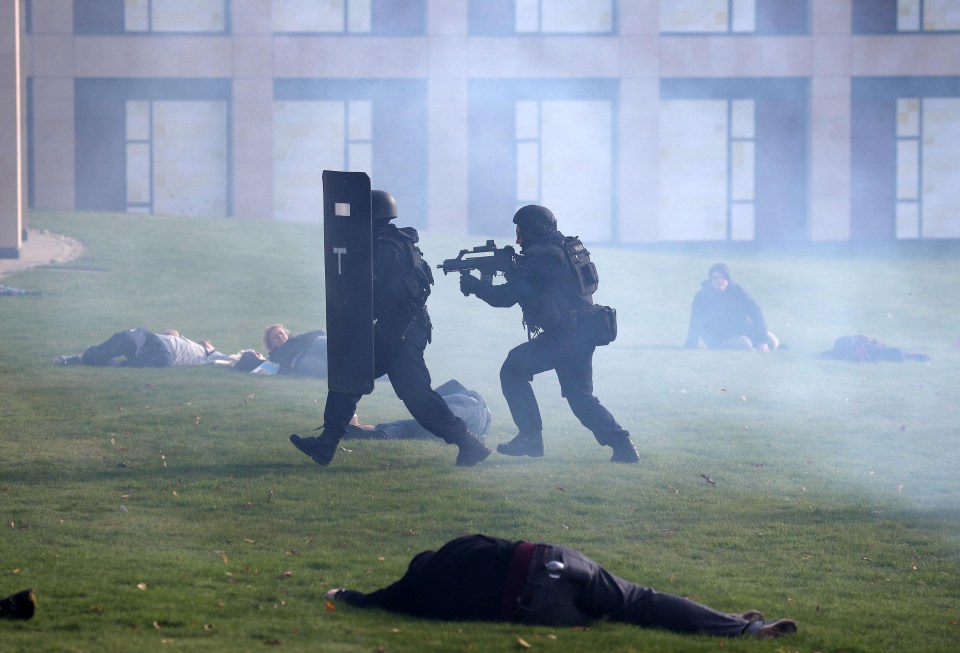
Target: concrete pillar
<point>447,111</point>
<point>12,146</point>
<point>830,106</point>
<point>252,130</point>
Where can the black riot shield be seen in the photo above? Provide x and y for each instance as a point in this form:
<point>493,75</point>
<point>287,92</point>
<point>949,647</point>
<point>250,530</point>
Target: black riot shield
<point>348,265</point>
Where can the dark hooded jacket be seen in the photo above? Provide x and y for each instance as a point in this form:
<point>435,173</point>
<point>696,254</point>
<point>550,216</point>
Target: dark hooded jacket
<point>718,315</point>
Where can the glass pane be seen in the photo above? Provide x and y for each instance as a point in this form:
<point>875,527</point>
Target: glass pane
<point>908,15</point>
<point>190,158</point>
<point>138,120</point>
<point>693,170</point>
<point>308,138</point>
<point>136,15</point>
<point>576,165</point>
<point>742,118</point>
<point>743,170</point>
<point>744,16</point>
<point>908,220</point>
<point>741,221</point>
<point>908,169</point>
<point>360,158</point>
<point>188,15</point>
<point>138,173</point>
<point>528,172</point>
<point>908,117</point>
<point>694,15</point>
<point>360,116</point>
<point>358,16</point>
<point>941,192</point>
<point>308,15</point>
<point>576,16</point>
<point>527,15</point>
<point>528,120</point>
<point>939,15</point>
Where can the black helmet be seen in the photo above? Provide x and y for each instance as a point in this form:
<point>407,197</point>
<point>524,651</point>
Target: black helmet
<point>534,219</point>
<point>384,206</point>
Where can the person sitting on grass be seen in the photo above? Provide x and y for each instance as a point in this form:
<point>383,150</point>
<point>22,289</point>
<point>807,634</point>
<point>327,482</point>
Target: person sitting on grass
<point>21,605</point>
<point>725,316</point>
<point>465,404</point>
<point>305,354</point>
<point>142,348</point>
<point>478,577</point>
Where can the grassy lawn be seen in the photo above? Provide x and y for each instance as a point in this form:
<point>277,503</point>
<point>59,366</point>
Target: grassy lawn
<point>166,510</point>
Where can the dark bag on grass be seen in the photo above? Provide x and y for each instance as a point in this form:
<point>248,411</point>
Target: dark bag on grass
<point>600,323</point>
<point>249,361</point>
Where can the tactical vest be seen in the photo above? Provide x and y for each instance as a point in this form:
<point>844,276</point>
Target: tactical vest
<point>579,259</point>
<point>409,291</point>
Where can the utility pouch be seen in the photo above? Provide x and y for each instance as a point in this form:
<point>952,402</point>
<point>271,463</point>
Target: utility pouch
<point>600,323</point>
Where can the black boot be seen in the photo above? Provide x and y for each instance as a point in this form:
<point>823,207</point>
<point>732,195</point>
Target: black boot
<point>21,605</point>
<point>523,445</point>
<point>472,451</point>
<point>321,448</point>
<point>623,449</point>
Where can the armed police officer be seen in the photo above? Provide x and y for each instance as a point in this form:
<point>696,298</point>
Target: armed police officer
<point>401,284</point>
<point>553,282</point>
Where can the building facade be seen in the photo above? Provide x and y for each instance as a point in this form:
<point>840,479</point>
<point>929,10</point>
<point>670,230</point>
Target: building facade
<point>637,121</point>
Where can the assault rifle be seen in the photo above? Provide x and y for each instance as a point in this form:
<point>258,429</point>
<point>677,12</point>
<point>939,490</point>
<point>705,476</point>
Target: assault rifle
<point>487,259</point>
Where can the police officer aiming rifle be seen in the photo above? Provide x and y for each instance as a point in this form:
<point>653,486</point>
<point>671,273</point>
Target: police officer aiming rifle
<point>553,281</point>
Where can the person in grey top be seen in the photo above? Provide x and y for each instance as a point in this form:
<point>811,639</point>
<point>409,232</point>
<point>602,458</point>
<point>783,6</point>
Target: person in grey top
<point>465,404</point>
<point>140,347</point>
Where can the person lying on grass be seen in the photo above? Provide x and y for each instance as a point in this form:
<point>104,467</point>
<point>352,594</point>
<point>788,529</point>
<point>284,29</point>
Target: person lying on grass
<point>139,347</point>
<point>479,577</point>
<point>465,404</point>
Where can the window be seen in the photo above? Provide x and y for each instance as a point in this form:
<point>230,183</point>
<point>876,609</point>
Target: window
<point>707,169</point>
<point>150,16</point>
<point>734,17</point>
<point>563,154</point>
<point>373,126</point>
<point>153,145</point>
<point>310,137</point>
<point>564,16</point>
<point>174,15</point>
<point>517,17</point>
<point>905,16</point>
<point>547,142</point>
<point>733,159</point>
<point>370,17</point>
<point>176,157</point>
<point>928,137</point>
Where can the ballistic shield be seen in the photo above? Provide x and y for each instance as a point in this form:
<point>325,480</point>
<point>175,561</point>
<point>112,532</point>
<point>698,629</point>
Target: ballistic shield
<point>348,265</point>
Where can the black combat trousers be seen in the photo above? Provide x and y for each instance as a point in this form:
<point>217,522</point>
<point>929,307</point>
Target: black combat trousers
<point>583,591</point>
<point>571,356</point>
<point>404,365</point>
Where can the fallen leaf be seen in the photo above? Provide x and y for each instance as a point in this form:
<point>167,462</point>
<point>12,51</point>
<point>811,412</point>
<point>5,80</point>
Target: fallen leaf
<point>208,627</point>
<point>293,552</point>
<point>286,574</point>
<point>330,606</point>
<point>708,479</point>
<point>196,420</point>
<point>141,586</point>
<point>560,488</point>
<point>523,643</point>
<point>156,625</point>
<point>248,541</point>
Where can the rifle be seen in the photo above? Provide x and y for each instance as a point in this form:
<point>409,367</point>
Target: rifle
<point>487,259</point>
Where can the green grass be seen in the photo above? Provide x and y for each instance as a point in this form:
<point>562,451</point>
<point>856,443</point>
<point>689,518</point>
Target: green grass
<point>837,500</point>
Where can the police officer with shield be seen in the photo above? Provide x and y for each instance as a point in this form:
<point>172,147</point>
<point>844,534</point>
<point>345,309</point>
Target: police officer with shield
<point>402,329</point>
<point>554,283</point>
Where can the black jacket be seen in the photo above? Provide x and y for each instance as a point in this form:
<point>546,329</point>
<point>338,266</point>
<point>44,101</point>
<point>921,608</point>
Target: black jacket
<point>715,316</point>
<point>462,580</point>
